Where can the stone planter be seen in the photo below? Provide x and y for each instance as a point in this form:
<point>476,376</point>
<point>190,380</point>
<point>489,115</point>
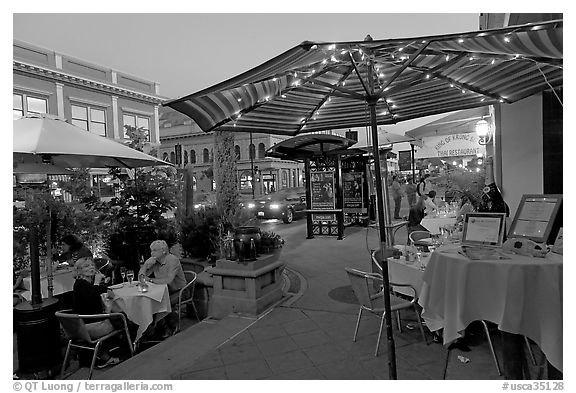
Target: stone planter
<point>248,287</point>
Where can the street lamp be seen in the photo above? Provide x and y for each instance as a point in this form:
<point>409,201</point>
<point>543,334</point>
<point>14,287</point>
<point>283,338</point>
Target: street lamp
<point>483,132</point>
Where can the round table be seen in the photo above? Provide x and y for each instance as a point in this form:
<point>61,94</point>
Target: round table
<point>522,295</point>
<point>140,307</point>
<point>433,223</point>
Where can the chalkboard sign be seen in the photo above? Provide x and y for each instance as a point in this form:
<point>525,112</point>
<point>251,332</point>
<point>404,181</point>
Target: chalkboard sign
<point>535,217</point>
<point>405,160</point>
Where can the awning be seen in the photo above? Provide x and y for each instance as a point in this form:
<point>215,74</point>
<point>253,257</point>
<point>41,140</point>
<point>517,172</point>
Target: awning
<point>309,145</point>
<point>324,85</point>
<point>460,122</point>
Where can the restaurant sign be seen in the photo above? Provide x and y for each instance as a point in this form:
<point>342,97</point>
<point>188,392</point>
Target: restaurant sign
<point>450,146</point>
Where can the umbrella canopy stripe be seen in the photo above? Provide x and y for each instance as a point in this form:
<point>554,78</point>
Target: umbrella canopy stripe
<point>307,87</point>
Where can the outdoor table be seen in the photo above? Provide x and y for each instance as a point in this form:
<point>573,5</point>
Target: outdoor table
<point>140,307</point>
<point>433,223</point>
<point>401,271</point>
<point>63,281</point>
<point>522,295</point>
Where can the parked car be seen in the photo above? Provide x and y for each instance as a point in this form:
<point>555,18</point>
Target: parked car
<point>286,204</point>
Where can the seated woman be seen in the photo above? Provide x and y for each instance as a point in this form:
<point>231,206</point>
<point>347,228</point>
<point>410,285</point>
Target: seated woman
<point>466,206</point>
<point>430,206</point>
<point>74,249</point>
<point>18,287</point>
<point>417,213</point>
<point>87,301</point>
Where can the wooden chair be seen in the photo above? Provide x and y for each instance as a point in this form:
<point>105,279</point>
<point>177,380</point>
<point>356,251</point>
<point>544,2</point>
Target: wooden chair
<point>373,300</point>
<point>186,295</point>
<point>78,337</point>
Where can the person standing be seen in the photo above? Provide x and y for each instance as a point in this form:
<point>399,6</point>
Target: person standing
<point>397,196</point>
<point>423,185</point>
<point>410,191</point>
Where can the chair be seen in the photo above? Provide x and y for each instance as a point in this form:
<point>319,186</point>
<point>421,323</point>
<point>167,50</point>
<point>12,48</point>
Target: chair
<point>415,236</point>
<point>186,295</point>
<point>373,300</point>
<point>75,328</point>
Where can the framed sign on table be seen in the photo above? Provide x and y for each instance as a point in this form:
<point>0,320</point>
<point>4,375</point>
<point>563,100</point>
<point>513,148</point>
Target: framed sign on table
<point>535,217</point>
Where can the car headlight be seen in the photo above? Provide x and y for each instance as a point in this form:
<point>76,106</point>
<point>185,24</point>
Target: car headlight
<point>197,206</point>
<point>251,206</point>
<point>274,206</point>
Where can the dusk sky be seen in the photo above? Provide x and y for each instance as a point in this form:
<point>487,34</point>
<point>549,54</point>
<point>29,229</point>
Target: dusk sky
<point>188,52</point>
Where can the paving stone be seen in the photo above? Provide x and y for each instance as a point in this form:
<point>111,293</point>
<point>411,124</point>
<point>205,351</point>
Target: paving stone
<point>282,314</point>
<point>310,373</point>
<point>243,338</point>
<point>254,369</point>
<point>277,345</point>
<point>344,369</point>
<point>289,361</point>
<point>264,333</point>
<point>211,373</point>
<point>231,353</point>
<point>310,339</point>
<point>211,360</point>
<point>299,326</point>
<point>326,353</point>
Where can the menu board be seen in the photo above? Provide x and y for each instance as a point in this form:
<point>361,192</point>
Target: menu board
<point>353,185</point>
<point>405,160</point>
<point>323,194</point>
<point>535,217</point>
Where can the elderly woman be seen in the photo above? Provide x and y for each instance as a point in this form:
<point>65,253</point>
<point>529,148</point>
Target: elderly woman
<point>87,301</point>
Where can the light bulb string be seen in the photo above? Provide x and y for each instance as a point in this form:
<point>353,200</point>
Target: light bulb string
<point>546,80</point>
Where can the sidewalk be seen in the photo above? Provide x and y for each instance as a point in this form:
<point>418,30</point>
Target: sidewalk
<point>308,336</point>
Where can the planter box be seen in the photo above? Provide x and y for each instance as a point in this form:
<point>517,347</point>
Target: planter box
<point>246,287</point>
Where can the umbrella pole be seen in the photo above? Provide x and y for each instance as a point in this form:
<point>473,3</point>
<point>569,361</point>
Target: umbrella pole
<point>413,165</point>
<point>383,218</point>
<point>49,272</point>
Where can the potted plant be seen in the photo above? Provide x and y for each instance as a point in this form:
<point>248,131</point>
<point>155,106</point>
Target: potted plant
<point>269,242</point>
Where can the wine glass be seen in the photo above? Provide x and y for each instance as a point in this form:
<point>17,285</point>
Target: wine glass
<point>130,276</point>
<point>123,273</point>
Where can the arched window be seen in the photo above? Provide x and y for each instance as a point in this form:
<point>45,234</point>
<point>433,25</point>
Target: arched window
<point>261,150</point>
<point>205,155</point>
<point>252,151</point>
<point>172,158</point>
<point>185,157</point>
<point>194,185</point>
<point>165,157</point>
<point>284,179</point>
<point>192,157</point>
<point>237,153</point>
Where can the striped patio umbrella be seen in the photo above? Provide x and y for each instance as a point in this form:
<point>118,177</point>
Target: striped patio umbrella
<point>319,86</point>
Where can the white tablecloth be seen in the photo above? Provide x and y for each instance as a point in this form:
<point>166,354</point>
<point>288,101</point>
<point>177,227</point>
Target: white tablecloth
<point>522,295</point>
<point>401,271</point>
<point>63,282</point>
<point>140,307</point>
<point>433,223</point>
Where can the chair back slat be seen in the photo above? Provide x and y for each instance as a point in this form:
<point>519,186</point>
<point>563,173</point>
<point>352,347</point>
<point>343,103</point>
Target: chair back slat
<point>73,326</point>
<point>361,285</point>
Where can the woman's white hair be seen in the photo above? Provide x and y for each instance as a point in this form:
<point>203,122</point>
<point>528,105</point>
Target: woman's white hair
<point>160,244</point>
<point>84,268</point>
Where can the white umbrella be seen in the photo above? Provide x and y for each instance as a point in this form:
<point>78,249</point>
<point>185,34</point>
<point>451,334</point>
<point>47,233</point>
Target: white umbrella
<point>45,139</point>
<point>49,138</point>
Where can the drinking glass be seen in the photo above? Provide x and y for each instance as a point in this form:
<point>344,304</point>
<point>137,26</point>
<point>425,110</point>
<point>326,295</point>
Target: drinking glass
<point>123,273</point>
<point>130,276</point>
<point>419,260</point>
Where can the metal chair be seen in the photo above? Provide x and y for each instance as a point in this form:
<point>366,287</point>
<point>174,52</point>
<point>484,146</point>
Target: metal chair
<point>186,295</point>
<point>78,337</point>
<point>415,237</point>
<point>373,300</point>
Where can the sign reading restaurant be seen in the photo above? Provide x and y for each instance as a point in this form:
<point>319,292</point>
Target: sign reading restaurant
<point>450,146</point>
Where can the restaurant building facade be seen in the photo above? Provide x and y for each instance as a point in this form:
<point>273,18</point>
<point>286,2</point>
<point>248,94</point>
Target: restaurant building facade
<point>92,97</point>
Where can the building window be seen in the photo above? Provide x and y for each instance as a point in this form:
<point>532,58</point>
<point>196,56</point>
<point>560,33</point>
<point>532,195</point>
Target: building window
<point>237,153</point>
<point>205,156</point>
<point>89,119</point>
<point>185,157</point>
<point>252,151</point>
<point>172,157</point>
<point>261,150</point>
<point>24,104</point>
<point>165,157</point>
<point>137,121</point>
<point>192,157</point>
<point>284,179</point>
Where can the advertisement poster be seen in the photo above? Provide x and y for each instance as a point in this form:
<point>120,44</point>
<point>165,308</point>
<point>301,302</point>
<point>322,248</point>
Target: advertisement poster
<point>405,160</point>
<point>323,197</point>
<point>353,190</point>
